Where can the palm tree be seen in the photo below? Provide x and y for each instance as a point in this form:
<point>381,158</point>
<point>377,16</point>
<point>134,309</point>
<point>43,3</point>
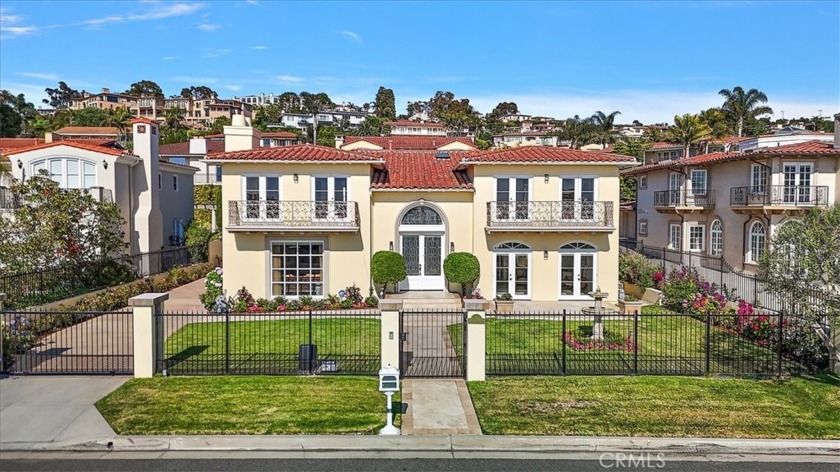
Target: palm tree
<point>119,118</point>
<point>604,126</point>
<point>576,130</point>
<point>741,106</point>
<point>716,121</point>
<point>687,130</point>
<point>174,118</point>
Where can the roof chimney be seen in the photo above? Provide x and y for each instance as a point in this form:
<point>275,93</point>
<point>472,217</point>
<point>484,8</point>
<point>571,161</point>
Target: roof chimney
<point>339,141</point>
<point>106,90</point>
<point>198,145</point>
<point>837,131</point>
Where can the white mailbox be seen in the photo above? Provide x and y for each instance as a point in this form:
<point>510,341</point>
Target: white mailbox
<point>389,379</point>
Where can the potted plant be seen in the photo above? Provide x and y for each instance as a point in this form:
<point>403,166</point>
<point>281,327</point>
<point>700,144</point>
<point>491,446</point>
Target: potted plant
<point>504,303</point>
<point>462,268</point>
<point>387,267</point>
<point>475,295</point>
<point>630,304</point>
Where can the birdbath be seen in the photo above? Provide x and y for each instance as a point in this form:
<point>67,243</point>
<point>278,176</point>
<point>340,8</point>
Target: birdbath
<point>596,312</point>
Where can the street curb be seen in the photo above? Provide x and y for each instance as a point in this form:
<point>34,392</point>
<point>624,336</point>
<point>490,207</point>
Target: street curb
<point>448,444</point>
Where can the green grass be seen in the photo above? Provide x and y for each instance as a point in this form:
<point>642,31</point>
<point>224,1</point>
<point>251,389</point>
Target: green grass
<point>799,407</point>
<point>246,405</point>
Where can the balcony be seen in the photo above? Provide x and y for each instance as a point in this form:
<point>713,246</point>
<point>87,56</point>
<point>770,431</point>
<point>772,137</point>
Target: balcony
<point>776,198</point>
<point>574,216</point>
<point>293,216</point>
<point>678,201</point>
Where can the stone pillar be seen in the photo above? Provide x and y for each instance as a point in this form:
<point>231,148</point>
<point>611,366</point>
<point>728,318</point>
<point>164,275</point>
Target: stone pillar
<point>148,336</point>
<point>390,326</point>
<point>476,340</point>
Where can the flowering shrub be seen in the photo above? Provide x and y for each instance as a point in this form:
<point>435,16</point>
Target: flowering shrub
<point>474,295</point>
<point>212,288</point>
<point>637,269</point>
<point>581,340</point>
<point>244,302</point>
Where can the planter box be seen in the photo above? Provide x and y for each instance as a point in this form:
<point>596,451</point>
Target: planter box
<point>633,289</point>
<point>475,304</point>
<point>653,296</point>
<point>504,306</point>
<point>628,308</point>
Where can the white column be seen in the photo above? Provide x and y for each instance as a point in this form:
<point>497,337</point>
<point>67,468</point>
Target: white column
<point>148,341</point>
<point>476,342</point>
<point>390,327</point>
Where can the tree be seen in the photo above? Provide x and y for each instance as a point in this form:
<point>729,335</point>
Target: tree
<point>371,126</point>
<point>687,130</point>
<point>604,125</point>
<point>289,102</point>
<point>145,88</point>
<point>385,104</point>
<point>740,107</point>
<point>58,227</point>
<point>462,268</point>
<point>630,147</point>
<point>61,96</point>
<point>201,92</point>
<point>219,124</point>
<point>387,267</point>
<point>418,107</point>
<point>24,109</point>
<point>89,117</point>
<point>715,120</point>
<point>456,114</point>
<point>493,120</point>
<point>802,259</point>
<point>315,102</point>
<point>576,130</point>
<point>10,122</point>
<point>119,118</point>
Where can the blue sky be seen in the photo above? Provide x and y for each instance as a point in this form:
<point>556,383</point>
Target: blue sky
<point>649,60</point>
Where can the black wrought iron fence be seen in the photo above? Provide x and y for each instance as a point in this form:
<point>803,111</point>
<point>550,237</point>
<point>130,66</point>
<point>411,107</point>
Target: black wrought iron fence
<point>49,285</point>
<point>289,343</point>
<point>661,343</point>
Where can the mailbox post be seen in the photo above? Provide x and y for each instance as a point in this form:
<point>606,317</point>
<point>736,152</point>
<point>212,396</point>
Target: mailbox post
<point>389,384</point>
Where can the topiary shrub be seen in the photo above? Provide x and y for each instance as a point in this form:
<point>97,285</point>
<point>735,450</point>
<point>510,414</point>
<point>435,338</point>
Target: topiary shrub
<point>461,268</point>
<point>387,267</point>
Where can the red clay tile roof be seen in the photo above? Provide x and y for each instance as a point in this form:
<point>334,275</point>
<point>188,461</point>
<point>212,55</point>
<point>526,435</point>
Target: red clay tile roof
<point>543,155</point>
<point>183,148</point>
<point>144,120</point>
<point>7,144</point>
<point>662,145</point>
<point>419,170</point>
<point>280,134</point>
<point>84,145</point>
<point>703,159</point>
<point>298,152</point>
<point>89,130</point>
<point>416,124</point>
<point>409,143</point>
<point>815,147</point>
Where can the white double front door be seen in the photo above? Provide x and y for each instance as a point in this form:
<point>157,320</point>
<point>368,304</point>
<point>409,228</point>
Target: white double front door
<point>577,274</point>
<point>423,253</point>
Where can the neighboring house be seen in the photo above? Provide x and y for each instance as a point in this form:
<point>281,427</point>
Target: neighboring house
<point>662,151</point>
<point>527,138</point>
<point>416,128</point>
<point>305,220</point>
<point>155,197</point>
<point>405,143</point>
<point>515,118</point>
<point>335,117</point>
<point>83,132</point>
<point>728,204</point>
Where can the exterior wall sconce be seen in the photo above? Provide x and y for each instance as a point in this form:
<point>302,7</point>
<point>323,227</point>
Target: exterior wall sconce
<point>391,246</point>
<point>20,164</point>
<point>546,178</point>
<point>545,255</point>
<point>105,164</point>
<point>296,178</point>
<point>451,246</point>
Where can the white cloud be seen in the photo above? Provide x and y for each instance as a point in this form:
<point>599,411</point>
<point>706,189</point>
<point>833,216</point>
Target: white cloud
<point>39,75</point>
<point>195,80</point>
<point>159,11</point>
<point>170,58</point>
<point>252,2</point>
<point>289,78</point>
<point>352,35</point>
<point>209,26</point>
<point>15,31</point>
<point>210,53</point>
<point>259,48</point>
<point>6,18</point>
<point>232,87</point>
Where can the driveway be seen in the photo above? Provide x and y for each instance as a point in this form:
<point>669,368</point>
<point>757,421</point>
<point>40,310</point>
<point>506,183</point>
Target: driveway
<point>53,409</point>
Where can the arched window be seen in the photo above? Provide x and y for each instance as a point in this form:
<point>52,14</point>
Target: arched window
<point>756,242</point>
<point>511,246</point>
<point>421,215</point>
<point>577,247</point>
<point>68,172</point>
<point>716,243</point>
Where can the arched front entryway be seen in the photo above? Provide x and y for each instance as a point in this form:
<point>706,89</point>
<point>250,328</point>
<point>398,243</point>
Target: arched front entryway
<point>422,234</point>
<point>512,270</point>
<point>578,267</point>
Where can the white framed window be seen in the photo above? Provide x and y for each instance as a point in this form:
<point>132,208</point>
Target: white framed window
<point>643,227</point>
<point>674,236</point>
<point>330,197</point>
<point>643,181</point>
<point>262,196</point>
<point>696,237</point>
<point>297,269</point>
<point>756,242</point>
<point>68,172</point>
<point>699,181</point>
<point>716,238</point>
<point>758,179</point>
<point>175,183</point>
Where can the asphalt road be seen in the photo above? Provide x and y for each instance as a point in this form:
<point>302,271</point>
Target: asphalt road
<point>398,465</point>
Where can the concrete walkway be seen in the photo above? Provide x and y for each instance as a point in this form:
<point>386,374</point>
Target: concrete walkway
<point>438,407</point>
<point>53,410</point>
<point>185,298</point>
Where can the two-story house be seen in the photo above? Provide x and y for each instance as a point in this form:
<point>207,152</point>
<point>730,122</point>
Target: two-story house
<point>729,203</point>
<point>304,220</point>
<point>154,197</point>
<point>420,128</point>
<point>404,143</point>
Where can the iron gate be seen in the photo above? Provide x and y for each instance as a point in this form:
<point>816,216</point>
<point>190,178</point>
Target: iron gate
<point>432,343</point>
<point>61,342</point>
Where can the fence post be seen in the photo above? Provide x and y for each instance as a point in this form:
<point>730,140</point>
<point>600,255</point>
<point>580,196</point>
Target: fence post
<point>476,340</point>
<point>781,333</point>
<point>389,325</point>
<point>563,342</point>
<point>146,340</point>
<point>310,356</point>
<point>636,342</point>
<point>708,341</point>
<point>2,301</point>
<point>227,341</point>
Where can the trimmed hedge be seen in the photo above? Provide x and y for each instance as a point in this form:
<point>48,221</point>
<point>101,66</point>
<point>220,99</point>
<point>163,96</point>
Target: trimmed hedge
<point>462,268</point>
<point>387,267</point>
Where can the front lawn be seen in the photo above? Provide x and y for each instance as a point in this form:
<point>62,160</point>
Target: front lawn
<point>246,405</point>
<point>799,407</point>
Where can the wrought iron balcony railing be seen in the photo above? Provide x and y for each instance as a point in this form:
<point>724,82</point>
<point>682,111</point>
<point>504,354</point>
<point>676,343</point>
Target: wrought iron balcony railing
<point>679,198</point>
<point>302,215</point>
<point>779,195</point>
<point>537,216</point>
